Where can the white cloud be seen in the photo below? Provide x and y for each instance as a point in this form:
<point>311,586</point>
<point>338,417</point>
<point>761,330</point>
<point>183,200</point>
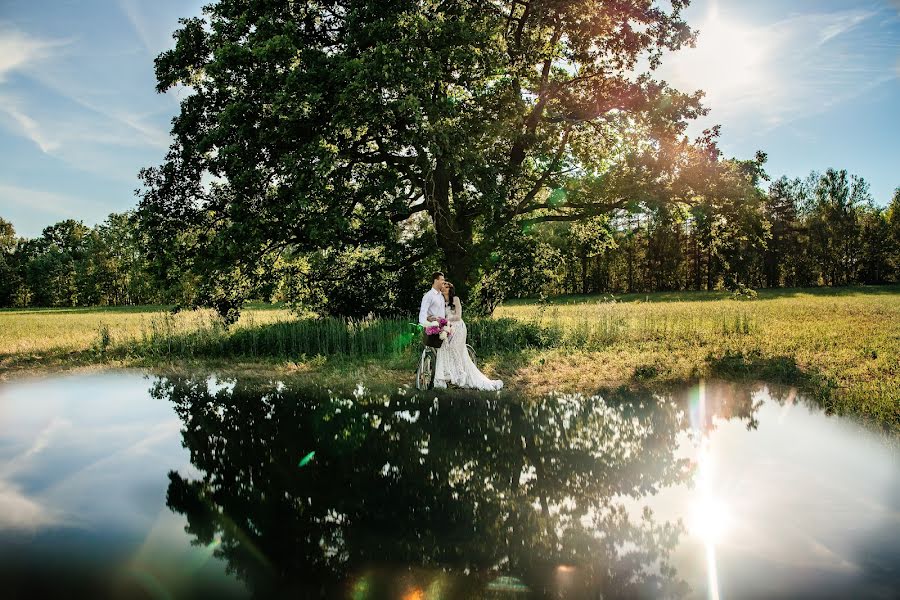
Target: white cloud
<point>130,8</point>
<point>763,77</point>
<point>57,205</point>
<point>18,50</point>
<point>80,135</point>
<point>155,28</point>
<point>28,126</point>
<point>841,23</point>
<point>19,512</point>
<point>109,124</point>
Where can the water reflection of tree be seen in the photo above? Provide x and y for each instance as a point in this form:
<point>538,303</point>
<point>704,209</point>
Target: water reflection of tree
<point>461,484</point>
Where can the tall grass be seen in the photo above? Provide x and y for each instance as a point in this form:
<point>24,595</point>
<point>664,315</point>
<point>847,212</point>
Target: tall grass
<point>204,336</point>
<point>45,332</point>
<point>164,337</point>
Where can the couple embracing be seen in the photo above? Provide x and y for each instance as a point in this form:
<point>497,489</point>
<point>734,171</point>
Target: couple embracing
<point>453,366</point>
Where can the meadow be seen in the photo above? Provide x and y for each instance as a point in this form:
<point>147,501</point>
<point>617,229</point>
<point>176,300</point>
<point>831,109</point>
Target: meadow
<point>840,346</point>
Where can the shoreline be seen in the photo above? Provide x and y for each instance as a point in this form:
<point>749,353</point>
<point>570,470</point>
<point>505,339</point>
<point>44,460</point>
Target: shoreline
<point>528,374</point>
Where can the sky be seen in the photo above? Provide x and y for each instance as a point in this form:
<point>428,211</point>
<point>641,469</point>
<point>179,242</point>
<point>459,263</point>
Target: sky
<point>813,83</point>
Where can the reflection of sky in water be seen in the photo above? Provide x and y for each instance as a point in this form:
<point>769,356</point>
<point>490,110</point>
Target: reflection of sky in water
<point>83,465</point>
<point>802,498</point>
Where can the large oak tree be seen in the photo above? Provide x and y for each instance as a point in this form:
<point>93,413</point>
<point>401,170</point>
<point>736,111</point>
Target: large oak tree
<point>333,123</point>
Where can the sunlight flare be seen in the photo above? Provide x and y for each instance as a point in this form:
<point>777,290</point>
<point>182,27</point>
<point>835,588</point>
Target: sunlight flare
<point>728,61</point>
<point>710,518</point>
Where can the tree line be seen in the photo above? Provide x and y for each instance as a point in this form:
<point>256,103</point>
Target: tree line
<point>71,264</point>
<point>824,230</point>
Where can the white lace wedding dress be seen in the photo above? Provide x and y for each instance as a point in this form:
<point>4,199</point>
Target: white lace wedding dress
<point>453,364</point>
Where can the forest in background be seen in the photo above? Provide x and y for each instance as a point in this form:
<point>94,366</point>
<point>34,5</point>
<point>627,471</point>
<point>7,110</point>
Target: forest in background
<point>824,230</point>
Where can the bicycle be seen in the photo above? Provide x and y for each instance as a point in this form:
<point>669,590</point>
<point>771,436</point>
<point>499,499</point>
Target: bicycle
<point>427,360</point>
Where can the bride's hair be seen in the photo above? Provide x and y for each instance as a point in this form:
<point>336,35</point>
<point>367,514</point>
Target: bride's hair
<point>450,294</point>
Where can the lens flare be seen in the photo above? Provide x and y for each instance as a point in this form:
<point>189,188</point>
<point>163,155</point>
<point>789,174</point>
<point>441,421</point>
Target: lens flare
<point>710,519</point>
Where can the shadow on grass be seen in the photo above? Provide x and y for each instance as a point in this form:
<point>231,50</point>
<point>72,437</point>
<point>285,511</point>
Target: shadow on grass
<point>744,366</point>
<point>709,296</point>
<point>87,310</point>
<point>139,308</point>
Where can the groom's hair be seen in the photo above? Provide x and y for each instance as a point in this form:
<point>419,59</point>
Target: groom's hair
<point>435,275</point>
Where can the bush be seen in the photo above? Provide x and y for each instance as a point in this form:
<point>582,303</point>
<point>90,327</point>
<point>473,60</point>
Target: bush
<point>741,291</point>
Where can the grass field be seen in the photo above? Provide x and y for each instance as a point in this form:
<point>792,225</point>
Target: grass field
<point>50,331</point>
<point>841,346</point>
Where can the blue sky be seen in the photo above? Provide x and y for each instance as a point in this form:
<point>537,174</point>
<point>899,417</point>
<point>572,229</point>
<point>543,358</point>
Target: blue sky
<point>814,83</point>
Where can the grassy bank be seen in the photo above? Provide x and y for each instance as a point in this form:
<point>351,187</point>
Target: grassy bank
<point>841,346</point>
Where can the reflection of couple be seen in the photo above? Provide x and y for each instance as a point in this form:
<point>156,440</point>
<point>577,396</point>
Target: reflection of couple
<point>453,366</point>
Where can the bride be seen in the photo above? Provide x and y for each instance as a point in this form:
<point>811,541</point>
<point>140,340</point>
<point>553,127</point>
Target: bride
<point>453,364</point>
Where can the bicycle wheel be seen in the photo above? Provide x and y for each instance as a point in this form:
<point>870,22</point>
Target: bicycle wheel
<point>425,372</point>
<point>471,352</point>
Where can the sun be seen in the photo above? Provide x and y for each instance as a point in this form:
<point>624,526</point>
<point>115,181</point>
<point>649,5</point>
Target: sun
<point>729,60</point>
<point>710,520</point>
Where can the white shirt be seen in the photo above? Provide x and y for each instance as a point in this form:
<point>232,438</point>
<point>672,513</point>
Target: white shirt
<point>432,304</point>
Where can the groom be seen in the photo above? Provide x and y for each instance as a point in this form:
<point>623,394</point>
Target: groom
<point>433,301</point>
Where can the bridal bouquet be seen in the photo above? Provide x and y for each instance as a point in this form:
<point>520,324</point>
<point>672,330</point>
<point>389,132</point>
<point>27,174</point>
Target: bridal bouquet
<point>440,328</point>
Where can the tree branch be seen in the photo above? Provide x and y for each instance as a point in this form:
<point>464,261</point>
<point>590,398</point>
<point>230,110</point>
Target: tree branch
<point>586,212</point>
<point>539,184</point>
<point>399,217</point>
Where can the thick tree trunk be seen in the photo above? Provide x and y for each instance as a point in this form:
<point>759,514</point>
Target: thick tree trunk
<point>584,274</point>
<point>460,269</point>
<point>454,231</point>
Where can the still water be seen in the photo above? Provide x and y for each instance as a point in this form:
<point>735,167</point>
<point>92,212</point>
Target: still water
<point>123,485</point>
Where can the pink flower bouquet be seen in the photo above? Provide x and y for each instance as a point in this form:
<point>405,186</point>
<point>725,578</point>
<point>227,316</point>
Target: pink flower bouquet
<point>440,328</point>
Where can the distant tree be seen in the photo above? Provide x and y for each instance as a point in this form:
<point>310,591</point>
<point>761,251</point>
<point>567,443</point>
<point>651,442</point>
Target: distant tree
<point>9,281</point>
<point>834,227</point>
<point>892,214</point>
<point>53,262</point>
<point>743,232</point>
<point>119,263</point>
<point>875,245</point>
<point>782,205</point>
<point>664,248</point>
<point>7,237</point>
<point>725,229</point>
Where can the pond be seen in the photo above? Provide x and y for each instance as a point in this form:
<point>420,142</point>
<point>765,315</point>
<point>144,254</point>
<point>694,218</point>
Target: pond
<point>124,485</point>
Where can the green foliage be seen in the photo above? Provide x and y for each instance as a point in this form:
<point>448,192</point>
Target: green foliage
<point>9,283</point>
<point>71,264</point>
<point>289,339</point>
<point>892,214</point>
<point>336,126</point>
<point>833,225</point>
<point>352,283</point>
<point>743,292</point>
<point>164,337</point>
<point>824,230</point>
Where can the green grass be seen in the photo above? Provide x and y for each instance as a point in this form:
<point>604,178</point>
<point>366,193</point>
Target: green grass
<point>46,332</point>
<point>841,346</point>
